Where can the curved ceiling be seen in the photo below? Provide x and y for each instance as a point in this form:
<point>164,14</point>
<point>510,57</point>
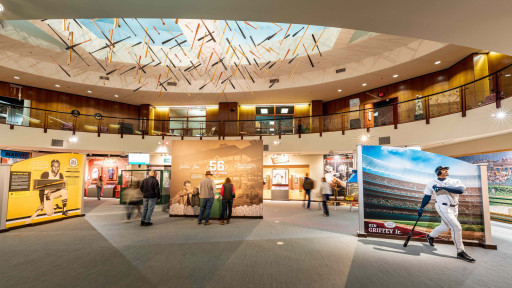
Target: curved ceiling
<point>38,50</point>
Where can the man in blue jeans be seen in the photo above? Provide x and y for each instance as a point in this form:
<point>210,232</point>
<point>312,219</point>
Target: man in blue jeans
<point>151,193</point>
<point>207,194</point>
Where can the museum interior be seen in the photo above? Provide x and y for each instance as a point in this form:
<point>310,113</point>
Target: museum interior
<point>380,104</point>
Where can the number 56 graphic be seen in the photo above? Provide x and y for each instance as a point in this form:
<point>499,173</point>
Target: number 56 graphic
<point>217,165</point>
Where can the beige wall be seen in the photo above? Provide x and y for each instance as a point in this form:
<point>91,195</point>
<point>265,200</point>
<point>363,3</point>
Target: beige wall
<point>478,146</point>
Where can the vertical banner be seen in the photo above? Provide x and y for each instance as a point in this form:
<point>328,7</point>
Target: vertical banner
<point>240,160</point>
<point>394,181</point>
<point>337,171</point>
<point>45,188</point>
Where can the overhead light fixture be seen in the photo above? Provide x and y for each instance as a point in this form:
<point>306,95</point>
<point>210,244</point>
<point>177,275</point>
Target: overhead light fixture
<point>277,142</point>
<point>89,91</point>
<point>57,85</point>
<point>73,139</point>
<point>396,75</point>
<point>339,90</point>
<point>284,110</point>
<point>116,95</point>
<point>500,114</point>
<point>364,84</point>
<point>15,77</point>
<point>437,62</point>
<point>264,111</point>
<point>508,75</point>
<point>271,122</point>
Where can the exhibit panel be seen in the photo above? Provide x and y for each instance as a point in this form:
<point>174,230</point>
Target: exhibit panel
<point>284,175</point>
<point>499,177</point>
<point>109,169</point>
<point>45,188</point>
<point>240,160</point>
<point>337,171</point>
<point>395,181</point>
<point>11,157</point>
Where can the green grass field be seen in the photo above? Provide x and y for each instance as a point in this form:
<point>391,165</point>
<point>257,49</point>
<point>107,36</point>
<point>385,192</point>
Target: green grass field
<point>432,225</point>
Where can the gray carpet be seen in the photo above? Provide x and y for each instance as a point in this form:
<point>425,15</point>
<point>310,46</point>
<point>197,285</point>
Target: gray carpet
<point>100,251</point>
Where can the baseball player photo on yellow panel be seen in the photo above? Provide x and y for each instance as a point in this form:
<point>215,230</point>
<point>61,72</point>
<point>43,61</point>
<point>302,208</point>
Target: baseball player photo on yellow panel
<point>54,185</point>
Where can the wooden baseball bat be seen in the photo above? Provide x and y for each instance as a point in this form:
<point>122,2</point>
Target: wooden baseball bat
<point>412,231</point>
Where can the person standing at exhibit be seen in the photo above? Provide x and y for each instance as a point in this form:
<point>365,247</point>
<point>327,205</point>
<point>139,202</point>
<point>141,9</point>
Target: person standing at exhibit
<point>207,194</point>
<point>447,200</point>
<point>133,198</point>
<point>99,187</point>
<point>325,190</point>
<point>228,193</point>
<point>150,189</point>
<point>308,185</point>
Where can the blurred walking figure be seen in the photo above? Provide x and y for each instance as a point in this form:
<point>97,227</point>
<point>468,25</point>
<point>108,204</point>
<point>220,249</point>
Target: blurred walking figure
<point>308,185</point>
<point>228,193</point>
<point>133,198</point>
<point>207,193</point>
<point>325,190</point>
<point>99,187</point>
<point>150,189</point>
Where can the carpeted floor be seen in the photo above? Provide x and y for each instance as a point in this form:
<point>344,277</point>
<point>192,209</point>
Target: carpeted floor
<point>290,247</point>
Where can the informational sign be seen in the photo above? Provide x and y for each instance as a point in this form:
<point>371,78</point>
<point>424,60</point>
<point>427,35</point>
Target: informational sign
<point>239,160</point>
<point>394,181</point>
<point>45,188</point>
<point>14,154</point>
<point>19,181</point>
<point>138,159</point>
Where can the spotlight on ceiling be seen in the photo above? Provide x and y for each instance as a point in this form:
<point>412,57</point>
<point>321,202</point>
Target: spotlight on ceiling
<point>89,91</point>
<point>364,84</point>
<point>500,115</point>
<point>57,85</point>
<point>15,77</point>
<point>339,90</point>
<point>437,62</point>
<point>277,142</point>
<point>364,138</point>
<point>396,75</point>
<point>73,139</point>
<point>116,95</point>
<point>507,75</point>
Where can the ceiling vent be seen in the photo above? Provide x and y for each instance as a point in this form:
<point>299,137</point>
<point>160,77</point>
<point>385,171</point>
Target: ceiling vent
<point>341,70</point>
<point>172,84</point>
<point>57,143</point>
<point>106,78</point>
<point>385,140</point>
<point>274,81</point>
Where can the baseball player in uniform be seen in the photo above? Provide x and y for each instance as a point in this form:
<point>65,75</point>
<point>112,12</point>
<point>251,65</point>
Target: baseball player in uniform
<point>46,196</point>
<point>447,200</point>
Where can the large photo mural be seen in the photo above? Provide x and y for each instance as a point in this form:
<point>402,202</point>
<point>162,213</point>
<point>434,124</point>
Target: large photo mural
<point>240,160</point>
<point>394,184</point>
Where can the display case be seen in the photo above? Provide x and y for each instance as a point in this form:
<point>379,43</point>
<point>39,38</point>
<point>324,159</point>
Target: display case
<point>133,179</point>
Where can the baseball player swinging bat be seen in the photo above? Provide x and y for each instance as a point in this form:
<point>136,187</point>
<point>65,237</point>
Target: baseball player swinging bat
<point>412,231</point>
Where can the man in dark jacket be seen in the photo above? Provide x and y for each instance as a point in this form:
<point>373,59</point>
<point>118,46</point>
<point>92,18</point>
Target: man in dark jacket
<point>151,193</point>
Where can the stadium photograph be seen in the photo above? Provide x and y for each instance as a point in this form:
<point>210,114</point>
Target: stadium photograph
<point>394,181</point>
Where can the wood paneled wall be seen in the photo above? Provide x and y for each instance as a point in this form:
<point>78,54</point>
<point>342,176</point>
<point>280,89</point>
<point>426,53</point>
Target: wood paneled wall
<point>460,73</point>
<point>497,61</point>
<point>228,112</point>
<point>162,114</point>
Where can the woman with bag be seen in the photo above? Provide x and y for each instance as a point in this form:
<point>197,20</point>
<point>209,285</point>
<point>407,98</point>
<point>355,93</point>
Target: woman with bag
<point>228,194</point>
<point>99,186</point>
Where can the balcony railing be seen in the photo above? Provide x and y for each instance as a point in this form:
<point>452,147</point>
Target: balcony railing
<point>490,89</point>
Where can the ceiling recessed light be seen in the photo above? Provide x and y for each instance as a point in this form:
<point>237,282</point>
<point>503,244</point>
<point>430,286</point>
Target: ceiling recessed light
<point>116,95</point>
<point>437,62</point>
<point>57,85</point>
<point>339,90</point>
<point>89,91</point>
<point>396,75</point>
<point>364,84</point>
<point>508,75</point>
<point>16,77</point>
